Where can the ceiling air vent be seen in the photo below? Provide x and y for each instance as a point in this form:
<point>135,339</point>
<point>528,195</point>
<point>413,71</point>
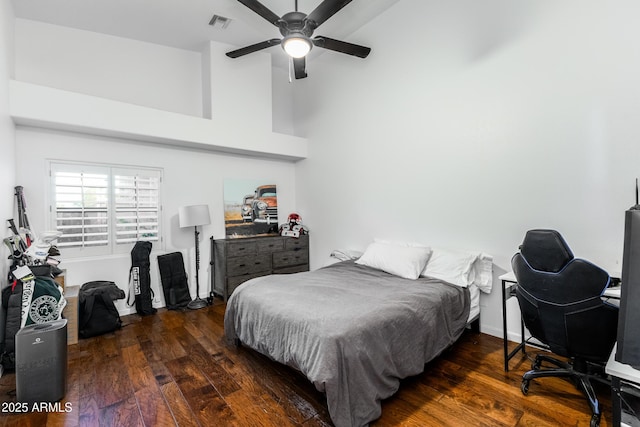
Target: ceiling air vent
<point>219,22</point>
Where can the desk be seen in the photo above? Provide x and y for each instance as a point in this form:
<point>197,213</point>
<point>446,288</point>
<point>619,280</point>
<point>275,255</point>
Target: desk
<point>509,286</point>
<point>625,385</point>
<point>612,292</point>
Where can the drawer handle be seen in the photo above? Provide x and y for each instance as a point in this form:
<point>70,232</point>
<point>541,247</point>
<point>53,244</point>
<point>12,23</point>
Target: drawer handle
<point>242,265</point>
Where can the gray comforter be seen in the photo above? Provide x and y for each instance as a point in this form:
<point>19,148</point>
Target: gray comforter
<point>352,330</point>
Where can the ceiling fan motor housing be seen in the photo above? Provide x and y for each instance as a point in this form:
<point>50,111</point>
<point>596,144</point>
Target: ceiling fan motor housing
<point>296,23</point>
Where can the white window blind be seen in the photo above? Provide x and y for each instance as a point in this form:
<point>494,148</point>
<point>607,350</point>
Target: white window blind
<point>137,203</point>
<point>104,209</point>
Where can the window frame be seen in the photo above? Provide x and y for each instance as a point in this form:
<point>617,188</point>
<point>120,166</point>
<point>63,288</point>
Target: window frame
<point>113,247</point>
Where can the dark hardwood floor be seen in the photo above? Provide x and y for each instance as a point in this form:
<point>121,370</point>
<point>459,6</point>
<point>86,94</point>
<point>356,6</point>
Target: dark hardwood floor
<point>173,368</point>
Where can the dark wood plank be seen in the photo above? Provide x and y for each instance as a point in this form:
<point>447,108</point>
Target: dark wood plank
<point>122,413</point>
<point>176,368</point>
<point>112,382</point>
<point>205,402</point>
<point>153,407</point>
<point>88,411</point>
<point>140,373</point>
<point>182,413</point>
<point>160,372</point>
<point>219,378</point>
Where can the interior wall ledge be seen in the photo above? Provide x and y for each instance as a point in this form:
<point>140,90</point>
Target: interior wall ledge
<point>46,107</point>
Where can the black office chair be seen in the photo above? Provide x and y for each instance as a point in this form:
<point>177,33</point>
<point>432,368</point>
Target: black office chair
<point>561,305</point>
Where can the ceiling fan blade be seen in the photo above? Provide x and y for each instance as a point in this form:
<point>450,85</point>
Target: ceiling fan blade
<point>342,47</point>
<point>253,48</point>
<point>300,67</point>
<point>326,10</point>
<point>261,10</point>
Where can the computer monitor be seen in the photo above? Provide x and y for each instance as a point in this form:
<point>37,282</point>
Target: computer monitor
<point>628,349</point>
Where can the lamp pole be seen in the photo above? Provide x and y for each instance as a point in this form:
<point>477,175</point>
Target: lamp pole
<point>193,216</point>
<point>197,302</point>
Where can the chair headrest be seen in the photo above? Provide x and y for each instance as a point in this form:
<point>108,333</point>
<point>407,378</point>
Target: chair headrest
<point>545,250</point>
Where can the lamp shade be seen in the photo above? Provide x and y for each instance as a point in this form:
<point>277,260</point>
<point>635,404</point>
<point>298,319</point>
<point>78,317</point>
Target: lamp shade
<point>194,215</point>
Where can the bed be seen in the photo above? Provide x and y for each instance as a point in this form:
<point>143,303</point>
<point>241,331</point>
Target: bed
<point>353,330</point>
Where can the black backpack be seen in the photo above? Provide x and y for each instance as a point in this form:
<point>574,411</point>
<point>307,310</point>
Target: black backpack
<point>140,279</point>
<point>98,313</point>
<point>175,286</point>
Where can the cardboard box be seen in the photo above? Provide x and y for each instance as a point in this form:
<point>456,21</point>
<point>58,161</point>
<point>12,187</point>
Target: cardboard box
<point>70,313</point>
<point>60,278</point>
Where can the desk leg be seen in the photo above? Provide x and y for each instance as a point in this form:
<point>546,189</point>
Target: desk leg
<point>504,328</point>
<point>616,405</point>
<point>521,346</point>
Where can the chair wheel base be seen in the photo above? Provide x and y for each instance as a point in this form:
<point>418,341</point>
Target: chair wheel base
<point>524,387</point>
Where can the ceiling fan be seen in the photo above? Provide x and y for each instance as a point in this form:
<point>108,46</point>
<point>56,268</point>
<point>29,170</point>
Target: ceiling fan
<point>297,29</point>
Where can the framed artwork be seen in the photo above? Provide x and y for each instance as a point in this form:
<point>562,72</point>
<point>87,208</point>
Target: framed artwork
<point>250,207</point>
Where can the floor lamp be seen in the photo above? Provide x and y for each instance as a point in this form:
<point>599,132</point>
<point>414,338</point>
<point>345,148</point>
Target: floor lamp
<point>193,216</point>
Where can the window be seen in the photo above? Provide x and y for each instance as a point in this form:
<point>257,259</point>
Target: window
<point>104,209</point>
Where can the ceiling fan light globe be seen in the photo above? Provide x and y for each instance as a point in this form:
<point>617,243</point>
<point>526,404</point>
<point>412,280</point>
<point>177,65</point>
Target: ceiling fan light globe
<point>296,47</point>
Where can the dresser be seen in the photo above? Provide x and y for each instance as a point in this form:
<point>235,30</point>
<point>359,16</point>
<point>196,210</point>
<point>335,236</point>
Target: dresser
<point>238,260</point>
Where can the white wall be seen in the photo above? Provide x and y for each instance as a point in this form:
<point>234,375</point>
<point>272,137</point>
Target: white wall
<point>154,76</point>
<point>7,138</point>
<point>111,67</point>
<point>240,88</point>
<point>190,177</point>
<point>282,101</point>
<point>203,84</point>
<point>471,123</point>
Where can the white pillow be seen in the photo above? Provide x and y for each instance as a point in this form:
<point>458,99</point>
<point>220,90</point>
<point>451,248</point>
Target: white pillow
<point>455,267</point>
<point>483,272</point>
<point>403,261</point>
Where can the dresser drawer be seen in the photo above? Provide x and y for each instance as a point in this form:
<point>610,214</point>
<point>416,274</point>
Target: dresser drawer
<point>234,282</point>
<point>270,245</point>
<point>241,265</point>
<point>292,243</point>
<point>293,269</point>
<point>289,258</point>
<point>241,248</point>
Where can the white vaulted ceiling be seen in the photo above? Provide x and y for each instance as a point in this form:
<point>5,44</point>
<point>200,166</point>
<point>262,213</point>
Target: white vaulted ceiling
<point>184,24</point>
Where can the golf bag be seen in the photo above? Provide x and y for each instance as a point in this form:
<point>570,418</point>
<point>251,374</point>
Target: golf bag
<point>175,286</point>
<point>12,304</point>
<point>25,303</point>
<point>140,279</point>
